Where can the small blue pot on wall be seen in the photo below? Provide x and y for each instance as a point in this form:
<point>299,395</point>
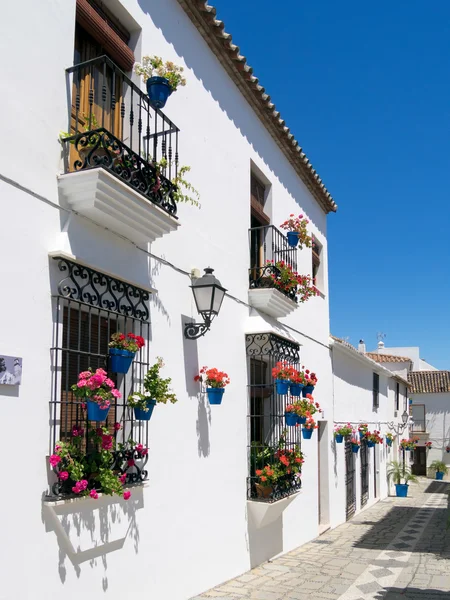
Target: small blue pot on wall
<point>144,415</point>
<point>355,448</point>
<point>388,442</point>
<point>301,420</point>
<point>439,475</point>
<point>95,413</point>
<point>401,489</point>
<point>371,444</point>
<point>120,360</point>
<point>296,389</point>
<point>307,389</point>
<point>307,433</point>
<point>339,438</point>
<point>292,238</point>
<point>291,419</point>
<point>158,90</point>
<point>282,386</point>
<point>215,395</point>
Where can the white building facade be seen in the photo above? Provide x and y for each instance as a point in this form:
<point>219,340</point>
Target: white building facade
<point>95,248</point>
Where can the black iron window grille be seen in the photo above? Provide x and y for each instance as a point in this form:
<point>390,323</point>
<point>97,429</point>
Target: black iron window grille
<point>268,246</point>
<point>376,390</point>
<point>350,480</point>
<point>113,126</point>
<point>89,306</point>
<point>269,438</point>
<point>364,451</point>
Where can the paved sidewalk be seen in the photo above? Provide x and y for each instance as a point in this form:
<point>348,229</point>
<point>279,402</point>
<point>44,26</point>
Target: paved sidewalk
<point>398,549</point>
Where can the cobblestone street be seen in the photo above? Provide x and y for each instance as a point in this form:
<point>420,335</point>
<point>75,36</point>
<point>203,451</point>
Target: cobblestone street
<point>398,549</point>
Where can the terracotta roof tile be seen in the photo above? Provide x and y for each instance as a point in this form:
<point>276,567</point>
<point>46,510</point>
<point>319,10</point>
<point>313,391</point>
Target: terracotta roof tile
<point>387,358</point>
<point>429,382</point>
<point>220,42</point>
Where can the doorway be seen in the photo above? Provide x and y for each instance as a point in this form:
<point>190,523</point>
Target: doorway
<point>350,480</point>
<point>419,466</point>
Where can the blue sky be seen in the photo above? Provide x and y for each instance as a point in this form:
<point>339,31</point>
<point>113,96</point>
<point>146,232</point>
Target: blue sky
<point>365,88</point>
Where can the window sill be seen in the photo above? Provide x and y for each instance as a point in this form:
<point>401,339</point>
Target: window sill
<point>262,512</point>
<point>60,501</point>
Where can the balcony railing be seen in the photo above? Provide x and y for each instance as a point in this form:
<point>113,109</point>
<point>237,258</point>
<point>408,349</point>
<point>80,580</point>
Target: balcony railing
<point>268,246</point>
<point>113,126</point>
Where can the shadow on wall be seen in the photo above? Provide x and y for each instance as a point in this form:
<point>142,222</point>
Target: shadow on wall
<point>88,530</point>
<point>191,369</point>
<point>411,593</point>
<point>204,64</point>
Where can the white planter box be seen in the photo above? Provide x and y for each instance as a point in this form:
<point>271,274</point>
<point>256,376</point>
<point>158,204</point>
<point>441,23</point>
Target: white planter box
<point>105,199</point>
<point>262,514</point>
<point>271,301</point>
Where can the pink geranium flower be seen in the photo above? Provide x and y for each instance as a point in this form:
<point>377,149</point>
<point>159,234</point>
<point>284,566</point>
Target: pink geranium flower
<point>84,375</point>
<point>126,495</point>
<point>54,459</point>
<point>93,494</point>
<point>82,383</point>
<point>63,475</point>
<point>116,393</point>
<point>110,383</point>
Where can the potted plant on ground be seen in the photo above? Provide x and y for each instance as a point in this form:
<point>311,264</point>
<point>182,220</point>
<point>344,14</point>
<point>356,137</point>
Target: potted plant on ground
<point>297,234</point>
<point>373,437</point>
<point>122,349</point>
<point>342,431</point>
<point>215,382</point>
<point>311,382</point>
<point>98,390</point>
<point>363,429</point>
<point>268,477</point>
<point>161,78</point>
<point>156,391</point>
<point>440,468</point>
<point>389,439</point>
<point>356,444</point>
<point>298,381</point>
<point>308,428</point>
<point>396,472</point>
<point>282,373</point>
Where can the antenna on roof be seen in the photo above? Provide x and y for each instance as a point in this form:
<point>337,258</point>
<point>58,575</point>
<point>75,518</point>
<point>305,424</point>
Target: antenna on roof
<point>380,338</point>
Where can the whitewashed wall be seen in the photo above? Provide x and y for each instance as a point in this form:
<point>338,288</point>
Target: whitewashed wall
<point>188,530</point>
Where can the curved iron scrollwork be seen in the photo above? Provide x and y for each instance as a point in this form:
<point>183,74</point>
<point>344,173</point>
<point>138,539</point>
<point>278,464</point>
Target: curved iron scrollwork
<point>269,344</point>
<point>100,148</point>
<point>102,291</point>
<point>193,331</point>
<point>285,487</point>
<point>268,276</point>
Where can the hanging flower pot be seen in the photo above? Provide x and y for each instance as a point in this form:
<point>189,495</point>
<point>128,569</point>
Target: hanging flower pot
<point>282,386</point>
<point>292,238</point>
<point>296,389</point>
<point>307,433</point>
<point>215,395</point>
<point>388,442</point>
<point>158,90</point>
<point>120,360</point>
<point>291,418</point>
<point>370,444</point>
<point>339,438</point>
<point>95,412</point>
<point>307,389</point>
<point>355,448</point>
<point>401,490</point>
<point>141,414</point>
<point>301,420</point>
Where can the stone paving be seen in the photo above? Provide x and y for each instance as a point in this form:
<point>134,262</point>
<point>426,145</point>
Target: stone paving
<point>399,549</point>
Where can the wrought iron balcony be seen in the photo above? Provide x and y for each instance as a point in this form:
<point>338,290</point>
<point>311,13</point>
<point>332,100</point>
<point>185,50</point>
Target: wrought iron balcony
<point>113,126</point>
<point>268,246</point>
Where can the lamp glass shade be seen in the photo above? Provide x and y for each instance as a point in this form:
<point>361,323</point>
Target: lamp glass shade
<point>405,417</point>
<point>208,294</point>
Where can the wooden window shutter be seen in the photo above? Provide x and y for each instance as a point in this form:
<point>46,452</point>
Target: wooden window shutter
<point>105,35</point>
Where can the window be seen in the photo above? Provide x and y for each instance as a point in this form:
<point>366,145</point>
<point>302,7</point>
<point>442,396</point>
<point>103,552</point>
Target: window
<point>317,269</point>
<point>418,415</point>
<point>89,307</point>
<point>376,390</point>
<point>267,433</point>
<point>397,396</point>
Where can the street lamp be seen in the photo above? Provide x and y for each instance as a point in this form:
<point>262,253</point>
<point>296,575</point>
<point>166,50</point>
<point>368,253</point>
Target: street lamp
<point>208,295</point>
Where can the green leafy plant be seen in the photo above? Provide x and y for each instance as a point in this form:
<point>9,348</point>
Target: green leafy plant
<point>439,467</point>
<point>158,388</point>
<point>154,66</point>
<point>390,436</point>
<point>344,430</point>
<point>91,123</point>
<point>398,471</point>
<point>185,191</point>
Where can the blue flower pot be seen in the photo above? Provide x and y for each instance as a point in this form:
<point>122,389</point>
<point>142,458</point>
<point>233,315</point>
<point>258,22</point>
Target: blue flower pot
<point>291,419</point>
<point>144,415</point>
<point>301,420</point>
<point>388,442</point>
<point>158,90</point>
<point>355,448</point>
<point>120,360</point>
<point>307,389</point>
<point>406,449</point>
<point>440,475</point>
<point>307,433</point>
<point>361,435</point>
<point>95,413</point>
<point>339,438</point>
<point>282,386</point>
<point>296,389</point>
<point>292,238</point>
<point>371,444</point>
<point>401,489</point>
<point>215,395</point>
